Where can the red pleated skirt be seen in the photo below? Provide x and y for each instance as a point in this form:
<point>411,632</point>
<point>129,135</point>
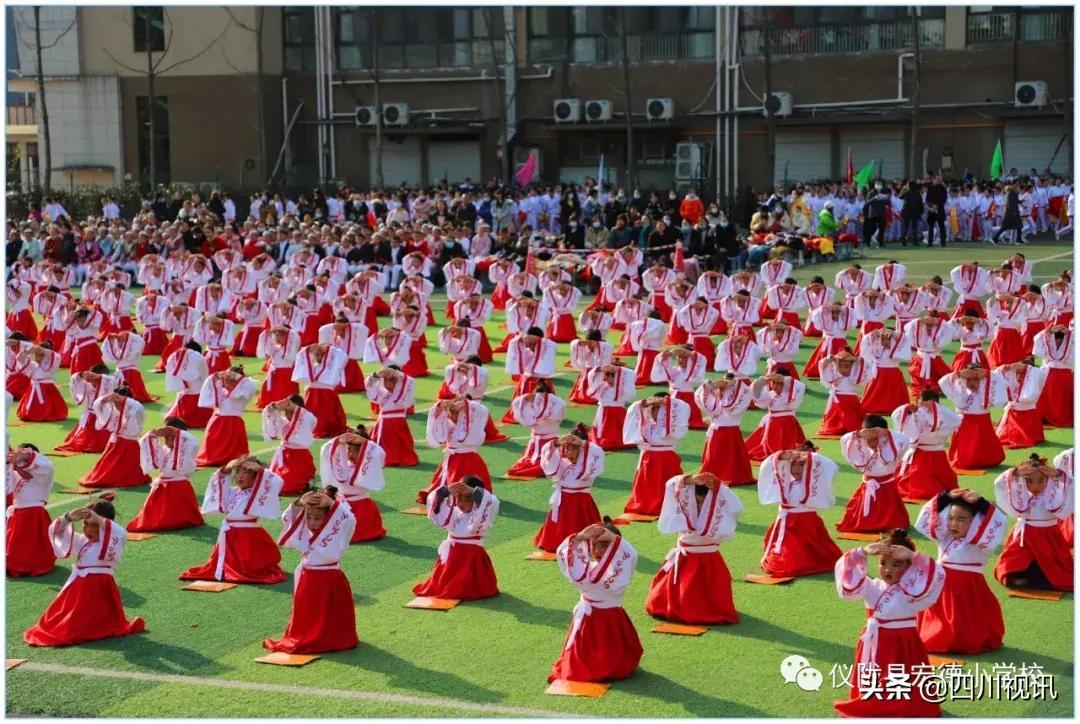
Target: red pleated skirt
<point>577,511</point>
<point>186,407</point>
<point>225,439</point>
<point>606,648</point>
<point>887,510</point>
<point>492,434</point>
<point>705,346</point>
<point>806,549</point>
<point>697,422</point>
<point>965,357</point>
<point>17,384</point>
<point>928,474</point>
<point>277,386</point>
<point>251,556</point>
<point>29,550</point>
<point>500,296</point>
<point>369,525</point>
<point>246,343</point>
<point>527,467</point>
<point>643,368</point>
<point>417,365</point>
<point>655,468</point>
<point>810,330</point>
<point>154,341</point>
<point>329,414</point>
<point>1045,547</point>
<point>965,304</point>
<point>677,335</point>
<point>1006,347</point>
<point>504,345</point>
<point>938,369</point>
<point>810,369</point>
<point>217,360</point>
<point>776,434</point>
<point>460,465</point>
<point>701,595</point>
<point>118,467</point>
<point>467,575</point>
<point>843,413</point>
<point>89,609</point>
<point>394,436</point>
<point>1031,329</point>
<point>1067,528</point>
<point>562,328</point>
<point>896,646</point>
<point>609,433</point>
<point>56,336</point>
<point>577,392</point>
<point>1056,401</point>
<point>354,378</point>
<point>623,349</point>
<point>323,616</point>
<point>725,456</point>
<point>135,383</point>
<point>966,618</point>
<point>864,329</point>
<point>85,438</point>
<point>484,351</point>
<point>659,303</point>
<point>975,445</point>
<point>50,408</point>
<point>885,392</point>
<point>23,322</point>
<point>169,506</point>
<point>1020,429</point>
<point>175,342</point>
<point>295,467</point>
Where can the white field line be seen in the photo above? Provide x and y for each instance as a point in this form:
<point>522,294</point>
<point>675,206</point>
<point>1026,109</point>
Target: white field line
<point>984,248</point>
<point>383,697</point>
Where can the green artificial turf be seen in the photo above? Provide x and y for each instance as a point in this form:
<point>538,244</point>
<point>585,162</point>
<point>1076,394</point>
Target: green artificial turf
<point>498,651</point>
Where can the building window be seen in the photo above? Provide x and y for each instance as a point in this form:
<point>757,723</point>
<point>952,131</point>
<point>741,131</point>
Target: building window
<point>162,162</point>
<point>298,26</point>
<point>155,34</point>
<point>594,34</point>
<point>805,30</point>
<point>451,37</point>
<point>1027,24</point>
<point>32,162</point>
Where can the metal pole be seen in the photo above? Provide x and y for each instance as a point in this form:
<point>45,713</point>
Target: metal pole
<point>328,38</point>
<point>718,31</point>
<point>319,109</point>
<point>510,95</point>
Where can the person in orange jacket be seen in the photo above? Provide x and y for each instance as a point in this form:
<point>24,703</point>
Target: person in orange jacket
<point>691,209</point>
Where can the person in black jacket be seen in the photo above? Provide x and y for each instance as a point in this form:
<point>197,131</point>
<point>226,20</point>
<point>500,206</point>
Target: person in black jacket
<point>911,213</point>
<point>660,237</point>
<point>724,239</point>
<point>877,199</point>
<point>1011,220</point>
<point>936,196</point>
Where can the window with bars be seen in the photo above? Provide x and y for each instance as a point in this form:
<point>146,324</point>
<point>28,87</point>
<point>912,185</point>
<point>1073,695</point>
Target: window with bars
<point>162,162</point>
<point>594,34</point>
<point>804,30</point>
<point>150,38</point>
<point>298,27</point>
<point>1026,24</point>
<point>419,37</point>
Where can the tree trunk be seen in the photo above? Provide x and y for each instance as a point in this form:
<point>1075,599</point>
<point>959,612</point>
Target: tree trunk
<point>47,138</point>
<point>500,93</point>
<point>152,151</point>
<point>770,118</point>
<point>631,162</point>
<point>260,94</point>
<point>913,156</point>
<point>378,104</point>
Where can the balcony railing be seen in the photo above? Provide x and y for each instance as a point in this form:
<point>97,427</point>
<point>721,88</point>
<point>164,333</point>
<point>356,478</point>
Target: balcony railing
<point>1035,27</point>
<point>608,49</point>
<point>852,38</point>
<point>21,116</point>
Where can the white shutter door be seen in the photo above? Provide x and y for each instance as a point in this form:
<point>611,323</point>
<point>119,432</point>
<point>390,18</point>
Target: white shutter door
<point>802,156</point>
<point>1027,147</point>
<point>400,161</point>
<point>453,160</point>
<point>886,146</point>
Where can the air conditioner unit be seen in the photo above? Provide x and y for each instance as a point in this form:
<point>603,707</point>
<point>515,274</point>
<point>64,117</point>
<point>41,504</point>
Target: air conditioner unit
<point>778,104</point>
<point>366,115</point>
<point>1030,94</point>
<point>566,110</point>
<point>659,109</point>
<point>395,114</point>
<point>597,111</point>
<point>687,161</point>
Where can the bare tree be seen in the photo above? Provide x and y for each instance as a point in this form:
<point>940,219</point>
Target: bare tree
<point>912,173</point>
<point>490,15</point>
<point>770,117</point>
<point>260,93</point>
<point>158,67</point>
<point>46,129</point>
<point>373,18</point>
<point>631,163</point>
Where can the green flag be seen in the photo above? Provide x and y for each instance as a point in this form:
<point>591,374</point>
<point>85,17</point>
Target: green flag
<point>997,163</point>
<point>862,178</point>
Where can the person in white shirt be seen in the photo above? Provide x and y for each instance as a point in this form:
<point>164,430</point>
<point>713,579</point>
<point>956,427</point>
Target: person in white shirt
<point>352,464</point>
<point>973,392</point>
<point>119,465</point>
<point>171,504</point>
<point>456,426</point>
<point>227,394</point>
<point>694,584</point>
<point>779,395</point>
<point>1054,347</point>
<point>288,421</point>
<point>463,570</point>
<point>886,390</point>
<point>1021,426</point>
<point>392,395</point>
<point>27,485</point>
<point>542,412</point>
<point>877,453</point>
<point>530,359</point>
<point>613,387</point>
<point>321,367</point>
<point>655,425</point>
<point>842,374</point>
<point>573,464</point>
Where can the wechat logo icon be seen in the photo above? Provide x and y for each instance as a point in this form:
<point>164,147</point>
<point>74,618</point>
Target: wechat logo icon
<point>797,670</point>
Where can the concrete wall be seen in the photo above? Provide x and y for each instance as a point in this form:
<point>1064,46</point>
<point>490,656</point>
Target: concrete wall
<point>85,126</point>
<point>57,31</point>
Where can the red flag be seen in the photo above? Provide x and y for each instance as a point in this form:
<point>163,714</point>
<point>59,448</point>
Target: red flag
<point>849,177</point>
<point>525,174</point>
